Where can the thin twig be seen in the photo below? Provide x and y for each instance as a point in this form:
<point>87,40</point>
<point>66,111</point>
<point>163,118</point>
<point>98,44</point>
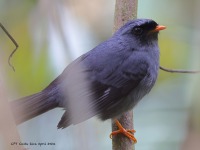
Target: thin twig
<point>178,71</point>
<point>14,42</point>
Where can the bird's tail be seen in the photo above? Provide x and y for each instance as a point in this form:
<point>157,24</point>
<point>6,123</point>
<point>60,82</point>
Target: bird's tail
<point>31,106</point>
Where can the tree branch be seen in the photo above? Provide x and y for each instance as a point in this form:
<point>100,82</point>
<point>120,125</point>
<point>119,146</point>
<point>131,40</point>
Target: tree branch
<point>125,10</point>
<point>14,42</point>
<point>178,71</point>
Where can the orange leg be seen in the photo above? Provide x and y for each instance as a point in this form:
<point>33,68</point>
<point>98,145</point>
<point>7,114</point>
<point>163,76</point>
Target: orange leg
<point>127,133</point>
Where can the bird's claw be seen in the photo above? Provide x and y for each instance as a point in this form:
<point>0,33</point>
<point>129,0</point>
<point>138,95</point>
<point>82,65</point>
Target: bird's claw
<point>122,130</point>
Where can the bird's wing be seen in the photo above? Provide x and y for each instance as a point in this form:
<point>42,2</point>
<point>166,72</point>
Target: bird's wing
<point>117,85</point>
<point>95,90</point>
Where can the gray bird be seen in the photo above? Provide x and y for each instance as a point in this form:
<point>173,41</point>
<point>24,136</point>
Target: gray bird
<point>107,81</point>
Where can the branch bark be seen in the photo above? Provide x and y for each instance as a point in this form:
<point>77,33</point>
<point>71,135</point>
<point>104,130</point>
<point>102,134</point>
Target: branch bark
<point>125,10</point>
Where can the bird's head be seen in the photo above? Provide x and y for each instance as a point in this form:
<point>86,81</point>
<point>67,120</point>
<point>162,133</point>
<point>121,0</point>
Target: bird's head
<point>140,31</point>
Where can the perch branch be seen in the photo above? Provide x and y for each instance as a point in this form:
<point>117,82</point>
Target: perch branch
<point>125,10</point>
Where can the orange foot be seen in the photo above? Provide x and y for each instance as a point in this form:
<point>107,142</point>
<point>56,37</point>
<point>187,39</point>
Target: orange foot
<point>127,133</point>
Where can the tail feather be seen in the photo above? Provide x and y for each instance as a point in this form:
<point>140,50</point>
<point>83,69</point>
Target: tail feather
<point>31,106</point>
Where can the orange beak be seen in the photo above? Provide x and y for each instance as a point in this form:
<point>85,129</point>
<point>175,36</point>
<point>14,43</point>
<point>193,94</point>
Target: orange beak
<point>158,28</point>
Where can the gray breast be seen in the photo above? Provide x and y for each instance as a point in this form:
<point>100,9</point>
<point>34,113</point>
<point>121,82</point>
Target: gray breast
<point>139,92</point>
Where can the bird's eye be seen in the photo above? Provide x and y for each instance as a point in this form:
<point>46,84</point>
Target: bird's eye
<point>137,30</point>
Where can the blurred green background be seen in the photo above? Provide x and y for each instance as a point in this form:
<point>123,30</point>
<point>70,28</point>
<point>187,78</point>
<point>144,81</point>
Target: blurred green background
<point>52,33</point>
